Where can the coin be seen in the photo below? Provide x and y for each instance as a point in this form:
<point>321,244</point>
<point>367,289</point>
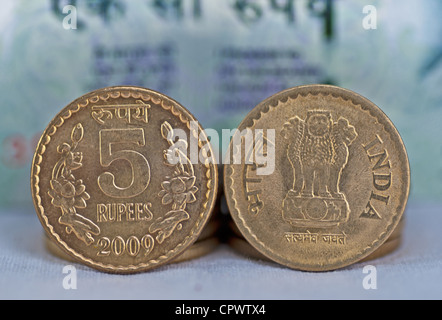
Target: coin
<point>397,232</point>
<point>113,182</point>
<point>386,248</point>
<point>323,180</point>
<point>56,251</point>
<point>243,247</point>
<point>210,230</point>
<point>198,249</point>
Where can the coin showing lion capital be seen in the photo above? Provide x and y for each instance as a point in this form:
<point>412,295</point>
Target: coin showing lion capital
<point>340,183</point>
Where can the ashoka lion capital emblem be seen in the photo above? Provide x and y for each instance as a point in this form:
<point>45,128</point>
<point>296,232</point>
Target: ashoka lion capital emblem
<point>318,152</point>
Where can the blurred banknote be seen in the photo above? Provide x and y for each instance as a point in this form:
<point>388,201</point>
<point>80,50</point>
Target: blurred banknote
<point>219,59</point>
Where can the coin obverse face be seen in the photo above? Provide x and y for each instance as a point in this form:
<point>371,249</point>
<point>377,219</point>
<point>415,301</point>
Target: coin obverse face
<point>340,181</point>
<point>114,187</point>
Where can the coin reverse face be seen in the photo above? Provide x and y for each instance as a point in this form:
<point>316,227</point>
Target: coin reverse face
<point>340,181</point>
<point>113,184</point>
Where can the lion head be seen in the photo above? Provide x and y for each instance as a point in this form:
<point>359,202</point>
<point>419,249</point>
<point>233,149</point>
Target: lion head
<point>319,123</point>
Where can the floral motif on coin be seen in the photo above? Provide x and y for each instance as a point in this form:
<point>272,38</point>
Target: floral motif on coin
<point>178,189</point>
<point>69,193</point>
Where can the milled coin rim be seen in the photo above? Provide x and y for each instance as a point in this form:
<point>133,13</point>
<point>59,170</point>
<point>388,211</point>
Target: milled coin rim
<point>168,104</point>
<point>364,104</point>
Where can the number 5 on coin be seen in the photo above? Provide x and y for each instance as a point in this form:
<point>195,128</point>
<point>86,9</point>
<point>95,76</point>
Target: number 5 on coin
<point>140,166</point>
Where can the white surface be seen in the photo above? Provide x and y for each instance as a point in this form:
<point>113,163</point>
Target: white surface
<point>414,271</point>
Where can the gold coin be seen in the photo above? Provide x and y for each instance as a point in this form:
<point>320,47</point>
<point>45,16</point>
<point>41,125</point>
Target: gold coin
<point>234,229</point>
<point>397,232</point>
<point>210,230</point>
<point>113,180</point>
<point>198,249</point>
<point>56,251</point>
<point>386,248</point>
<point>243,247</point>
<point>318,177</point>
